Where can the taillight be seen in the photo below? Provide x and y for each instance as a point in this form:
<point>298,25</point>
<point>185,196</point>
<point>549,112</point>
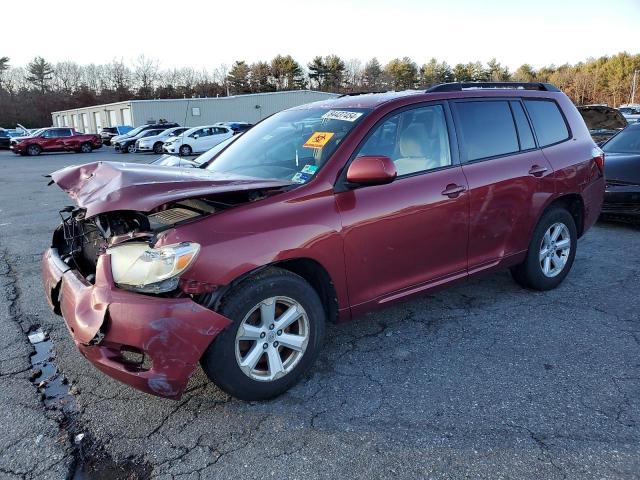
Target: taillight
<point>598,157</point>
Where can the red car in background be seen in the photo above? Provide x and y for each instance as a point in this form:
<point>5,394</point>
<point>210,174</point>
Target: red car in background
<point>318,213</point>
<point>55,140</point>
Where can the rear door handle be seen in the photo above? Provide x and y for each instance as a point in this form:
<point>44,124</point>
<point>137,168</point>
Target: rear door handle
<point>453,190</point>
<point>537,170</point>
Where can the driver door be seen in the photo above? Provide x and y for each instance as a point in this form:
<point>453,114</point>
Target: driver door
<point>412,233</point>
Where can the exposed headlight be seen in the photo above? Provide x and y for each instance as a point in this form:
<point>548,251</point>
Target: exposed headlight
<point>138,267</point>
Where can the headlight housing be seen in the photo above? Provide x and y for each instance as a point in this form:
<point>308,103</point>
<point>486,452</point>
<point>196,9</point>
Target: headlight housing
<point>141,268</point>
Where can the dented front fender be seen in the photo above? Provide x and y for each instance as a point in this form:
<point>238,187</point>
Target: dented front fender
<point>105,321</point>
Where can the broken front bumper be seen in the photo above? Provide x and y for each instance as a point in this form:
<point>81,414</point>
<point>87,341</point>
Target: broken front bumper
<point>168,335</point>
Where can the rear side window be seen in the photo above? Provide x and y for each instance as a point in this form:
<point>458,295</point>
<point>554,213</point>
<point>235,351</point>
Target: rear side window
<point>547,120</point>
<point>524,129</point>
<point>486,128</point>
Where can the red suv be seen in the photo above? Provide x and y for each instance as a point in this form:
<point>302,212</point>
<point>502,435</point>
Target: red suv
<point>318,213</point>
<point>56,140</point>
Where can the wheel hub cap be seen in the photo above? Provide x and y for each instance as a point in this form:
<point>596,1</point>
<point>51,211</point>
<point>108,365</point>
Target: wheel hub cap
<point>555,248</point>
<point>272,338</point>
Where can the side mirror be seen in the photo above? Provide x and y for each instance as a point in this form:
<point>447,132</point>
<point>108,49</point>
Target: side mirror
<point>374,170</point>
<point>196,136</point>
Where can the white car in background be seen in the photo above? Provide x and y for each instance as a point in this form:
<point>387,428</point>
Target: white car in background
<point>197,140</point>
<point>631,112</point>
<point>154,144</point>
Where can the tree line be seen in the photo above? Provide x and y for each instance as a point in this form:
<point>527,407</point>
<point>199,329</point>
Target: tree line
<point>29,94</point>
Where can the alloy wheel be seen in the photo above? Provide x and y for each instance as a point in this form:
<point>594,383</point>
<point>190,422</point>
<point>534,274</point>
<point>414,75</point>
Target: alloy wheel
<point>554,249</point>
<point>272,339</point>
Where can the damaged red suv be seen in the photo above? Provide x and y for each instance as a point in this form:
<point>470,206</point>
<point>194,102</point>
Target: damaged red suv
<point>318,213</point>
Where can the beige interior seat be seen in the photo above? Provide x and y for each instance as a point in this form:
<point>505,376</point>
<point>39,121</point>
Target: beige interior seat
<point>413,157</point>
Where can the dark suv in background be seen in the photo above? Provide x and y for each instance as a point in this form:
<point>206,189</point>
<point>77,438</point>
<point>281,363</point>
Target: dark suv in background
<point>318,213</point>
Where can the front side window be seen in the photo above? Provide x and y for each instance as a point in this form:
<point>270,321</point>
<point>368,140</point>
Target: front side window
<point>291,145</point>
<point>416,140</point>
<point>50,133</point>
<point>486,129</point>
<point>547,120</point>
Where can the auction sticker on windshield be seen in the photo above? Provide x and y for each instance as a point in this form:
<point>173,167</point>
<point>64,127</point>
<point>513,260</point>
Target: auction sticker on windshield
<point>318,139</point>
<point>342,115</point>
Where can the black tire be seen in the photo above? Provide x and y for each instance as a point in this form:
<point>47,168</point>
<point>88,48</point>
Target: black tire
<point>34,150</point>
<point>185,151</point>
<point>157,148</point>
<point>86,148</point>
<point>219,360</point>
<point>529,274</point>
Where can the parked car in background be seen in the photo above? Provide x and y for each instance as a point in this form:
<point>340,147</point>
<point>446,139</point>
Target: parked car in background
<point>200,161</point>
<point>128,144</point>
<point>317,214</point>
<point>622,171</point>
<point>137,130</point>
<point>107,133</point>
<point>603,122</point>
<point>5,138</point>
<point>55,140</point>
<point>197,140</point>
<point>154,143</point>
<point>237,127</point>
<point>630,112</point>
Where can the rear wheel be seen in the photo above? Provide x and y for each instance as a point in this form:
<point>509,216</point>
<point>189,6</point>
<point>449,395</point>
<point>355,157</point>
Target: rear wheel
<point>34,150</point>
<point>276,334</point>
<point>185,150</point>
<point>551,251</point>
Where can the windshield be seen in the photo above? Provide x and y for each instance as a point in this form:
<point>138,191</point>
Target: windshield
<point>37,132</point>
<point>627,141</point>
<point>291,145</point>
<point>135,131</point>
<point>209,154</point>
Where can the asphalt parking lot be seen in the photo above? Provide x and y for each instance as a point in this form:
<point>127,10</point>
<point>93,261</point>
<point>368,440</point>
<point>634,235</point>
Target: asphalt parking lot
<point>483,380</point>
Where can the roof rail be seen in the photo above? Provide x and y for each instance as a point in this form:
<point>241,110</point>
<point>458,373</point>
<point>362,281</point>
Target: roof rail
<point>459,86</point>
<point>355,94</point>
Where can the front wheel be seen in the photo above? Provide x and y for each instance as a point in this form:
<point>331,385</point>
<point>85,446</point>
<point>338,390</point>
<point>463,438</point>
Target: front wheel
<point>185,150</point>
<point>131,149</point>
<point>157,148</point>
<point>551,251</point>
<point>276,334</point>
<point>33,150</point>
<point>86,148</point>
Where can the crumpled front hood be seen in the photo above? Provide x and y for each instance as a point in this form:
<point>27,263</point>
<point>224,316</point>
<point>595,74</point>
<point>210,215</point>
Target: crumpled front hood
<point>599,117</point>
<point>108,186</point>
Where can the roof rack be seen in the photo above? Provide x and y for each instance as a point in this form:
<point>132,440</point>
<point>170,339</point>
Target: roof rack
<point>355,94</point>
<point>459,86</point>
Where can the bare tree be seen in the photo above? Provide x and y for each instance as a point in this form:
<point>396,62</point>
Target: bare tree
<point>146,73</point>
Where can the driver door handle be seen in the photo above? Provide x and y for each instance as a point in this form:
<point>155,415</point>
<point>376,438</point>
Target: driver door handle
<point>453,190</point>
<point>537,170</point>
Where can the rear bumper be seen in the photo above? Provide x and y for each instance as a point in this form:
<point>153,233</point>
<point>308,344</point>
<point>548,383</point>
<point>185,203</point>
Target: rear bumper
<point>105,321</point>
<point>622,200</point>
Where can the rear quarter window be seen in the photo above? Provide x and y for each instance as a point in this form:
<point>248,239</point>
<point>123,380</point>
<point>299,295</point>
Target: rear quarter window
<point>486,128</point>
<point>548,122</point>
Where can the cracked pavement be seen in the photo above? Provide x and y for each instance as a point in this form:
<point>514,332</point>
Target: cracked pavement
<point>482,380</point>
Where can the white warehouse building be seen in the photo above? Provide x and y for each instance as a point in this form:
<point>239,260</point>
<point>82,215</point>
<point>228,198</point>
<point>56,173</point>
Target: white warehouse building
<point>188,112</point>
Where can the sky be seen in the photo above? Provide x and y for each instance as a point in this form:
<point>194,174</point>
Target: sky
<point>204,34</point>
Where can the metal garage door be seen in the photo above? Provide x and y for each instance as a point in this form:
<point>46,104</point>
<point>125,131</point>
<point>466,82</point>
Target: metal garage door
<point>126,115</point>
<point>85,123</point>
<point>112,118</point>
<point>96,117</point>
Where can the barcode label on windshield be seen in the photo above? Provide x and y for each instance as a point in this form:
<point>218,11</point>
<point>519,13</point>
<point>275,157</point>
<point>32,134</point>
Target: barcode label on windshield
<point>342,115</point>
